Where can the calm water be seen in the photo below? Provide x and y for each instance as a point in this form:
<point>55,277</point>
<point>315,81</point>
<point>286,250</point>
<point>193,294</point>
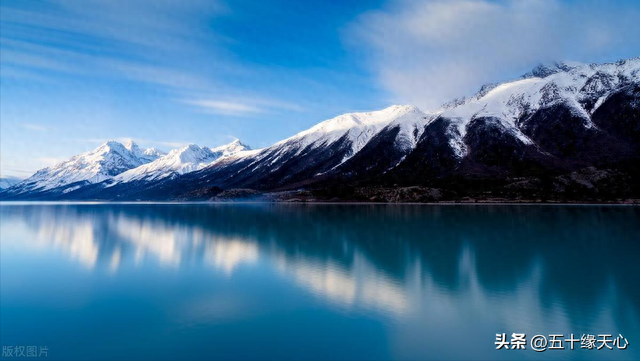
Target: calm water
<point>154,281</point>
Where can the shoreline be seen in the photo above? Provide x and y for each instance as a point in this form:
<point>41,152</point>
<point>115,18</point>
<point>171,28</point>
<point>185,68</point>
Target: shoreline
<point>230,202</point>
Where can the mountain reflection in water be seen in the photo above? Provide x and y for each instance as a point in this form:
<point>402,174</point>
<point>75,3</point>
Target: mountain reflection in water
<point>391,281</point>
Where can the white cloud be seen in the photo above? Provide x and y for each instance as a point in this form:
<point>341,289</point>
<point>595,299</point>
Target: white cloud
<point>25,55</point>
<point>224,107</point>
<point>163,76</point>
<point>428,52</point>
<point>144,41</point>
<point>154,25</point>
<point>242,106</point>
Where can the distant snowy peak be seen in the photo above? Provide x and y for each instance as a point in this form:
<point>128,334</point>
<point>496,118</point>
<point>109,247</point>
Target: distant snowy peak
<point>108,160</point>
<point>147,155</point>
<point>509,118</point>
<point>544,70</point>
<point>230,149</point>
<point>180,161</point>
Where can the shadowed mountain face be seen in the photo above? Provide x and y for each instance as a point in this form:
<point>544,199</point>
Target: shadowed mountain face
<point>620,115</point>
<point>570,134</point>
<point>433,157</point>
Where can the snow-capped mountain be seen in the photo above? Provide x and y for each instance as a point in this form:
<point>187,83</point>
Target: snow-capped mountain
<point>571,115</point>
<point>556,119</point>
<point>102,163</point>
<point>356,128</point>
<point>179,161</point>
<point>145,155</point>
<point>581,88</point>
<point>310,153</point>
<point>559,117</point>
<point>230,149</point>
<point>318,150</point>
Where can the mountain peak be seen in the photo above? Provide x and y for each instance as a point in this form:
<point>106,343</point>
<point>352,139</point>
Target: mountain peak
<point>107,147</point>
<point>237,142</point>
<point>355,128</point>
<point>383,140</point>
<point>400,108</point>
<point>182,160</point>
<point>231,148</point>
<point>188,154</point>
<point>111,143</point>
<point>104,162</point>
<point>191,146</point>
<point>543,70</point>
<point>131,145</point>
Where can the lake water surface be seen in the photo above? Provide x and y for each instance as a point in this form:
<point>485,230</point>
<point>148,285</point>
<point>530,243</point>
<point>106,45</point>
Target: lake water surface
<point>278,281</point>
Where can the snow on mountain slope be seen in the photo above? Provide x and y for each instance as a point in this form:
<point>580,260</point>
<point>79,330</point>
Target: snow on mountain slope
<point>230,149</point>
<point>314,151</point>
<point>508,118</point>
<point>359,128</point>
<point>411,125</point>
<point>145,155</point>
<point>180,161</point>
<point>582,87</point>
<point>356,128</point>
<point>574,84</point>
<point>104,162</point>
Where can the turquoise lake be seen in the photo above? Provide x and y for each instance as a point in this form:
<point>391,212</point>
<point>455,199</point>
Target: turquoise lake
<point>316,282</point>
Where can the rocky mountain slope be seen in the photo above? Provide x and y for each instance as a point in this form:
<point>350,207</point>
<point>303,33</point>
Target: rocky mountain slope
<point>562,131</point>
<point>179,161</point>
<point>102,163</point>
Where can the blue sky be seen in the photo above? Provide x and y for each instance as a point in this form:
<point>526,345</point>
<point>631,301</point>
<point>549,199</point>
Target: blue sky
<point>74,73</point>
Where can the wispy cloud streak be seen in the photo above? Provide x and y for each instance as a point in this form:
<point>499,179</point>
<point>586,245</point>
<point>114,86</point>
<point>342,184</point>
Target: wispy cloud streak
<point>242,106</point>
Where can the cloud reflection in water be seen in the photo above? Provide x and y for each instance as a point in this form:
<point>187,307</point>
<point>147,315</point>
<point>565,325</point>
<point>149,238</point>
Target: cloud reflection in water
<point>531,269</point>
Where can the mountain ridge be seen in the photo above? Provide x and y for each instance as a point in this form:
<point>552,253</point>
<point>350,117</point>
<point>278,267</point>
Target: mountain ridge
<point>179,161</point>
<point>552,122</point>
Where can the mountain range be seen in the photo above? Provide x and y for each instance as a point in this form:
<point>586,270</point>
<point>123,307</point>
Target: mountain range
<point>562,132</point>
